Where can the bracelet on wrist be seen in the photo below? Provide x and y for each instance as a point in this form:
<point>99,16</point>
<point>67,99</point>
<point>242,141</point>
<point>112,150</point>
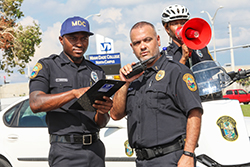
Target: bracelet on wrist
<point>188,153</point>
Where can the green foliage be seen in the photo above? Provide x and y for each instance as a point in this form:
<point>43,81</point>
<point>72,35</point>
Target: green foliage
<point>244,82</point>
<point>17,42</point>
<point>11,8</point>
<point>246,110</point>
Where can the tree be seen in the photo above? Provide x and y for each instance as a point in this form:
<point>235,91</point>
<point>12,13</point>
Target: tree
<point>244,82</point>
<point>16,41</point>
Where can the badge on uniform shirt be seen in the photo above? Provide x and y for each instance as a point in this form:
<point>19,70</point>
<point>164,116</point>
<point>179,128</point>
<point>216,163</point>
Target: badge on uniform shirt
<point>130,88</point>
<point>35,70</point>
<point>191,84</point>
<point>199,53</point>
<point>160,75</point>
<point>128,150</point>
<point>228,128</point>
<point>94,76</point>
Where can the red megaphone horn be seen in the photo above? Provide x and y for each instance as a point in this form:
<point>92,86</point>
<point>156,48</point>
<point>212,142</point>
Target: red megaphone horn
<point>195,33</point>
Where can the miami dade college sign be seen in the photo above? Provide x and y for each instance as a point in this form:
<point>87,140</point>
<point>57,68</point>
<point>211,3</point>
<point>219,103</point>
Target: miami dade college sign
<point>105,59</point>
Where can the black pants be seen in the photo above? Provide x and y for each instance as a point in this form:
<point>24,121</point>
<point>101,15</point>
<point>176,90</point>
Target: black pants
<point>77,155</point>
<point>168,160</point>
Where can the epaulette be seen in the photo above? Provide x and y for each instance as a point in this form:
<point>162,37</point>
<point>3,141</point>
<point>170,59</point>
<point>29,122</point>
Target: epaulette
<point>53,56</point>
<point>88,61</point>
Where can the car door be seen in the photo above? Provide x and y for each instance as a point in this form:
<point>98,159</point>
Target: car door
<point>26,137</point>
<point>236,95</point>
<point>243,96</point>
<point>114,136</point>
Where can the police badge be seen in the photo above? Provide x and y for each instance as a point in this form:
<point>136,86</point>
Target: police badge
<point>94,76</point>
<point>160,75</point>
<point>228,128</point>
<point>199,53</point>
<point>128,150</point>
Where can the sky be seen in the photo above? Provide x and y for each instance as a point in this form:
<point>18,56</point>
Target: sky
<point>118,16</point>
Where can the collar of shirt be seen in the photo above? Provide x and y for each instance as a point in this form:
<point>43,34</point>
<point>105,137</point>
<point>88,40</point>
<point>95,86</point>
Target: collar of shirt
<point>65,60</point>
<point>158,64</point>
<point>156,67</point>
<point>175,47</point>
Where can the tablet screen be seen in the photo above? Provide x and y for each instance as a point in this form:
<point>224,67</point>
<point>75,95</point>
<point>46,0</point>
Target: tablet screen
<point>105,87</point>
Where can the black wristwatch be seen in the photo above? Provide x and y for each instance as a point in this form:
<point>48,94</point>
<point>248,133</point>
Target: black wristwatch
<point>188,153</point>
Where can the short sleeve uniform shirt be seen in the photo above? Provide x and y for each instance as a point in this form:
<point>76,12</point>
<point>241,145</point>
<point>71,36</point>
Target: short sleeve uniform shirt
<point>158,103</point>
<point>57,74</point>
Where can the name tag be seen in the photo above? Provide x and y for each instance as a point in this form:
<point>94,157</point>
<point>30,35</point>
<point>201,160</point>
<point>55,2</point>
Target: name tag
<point>61,79</point>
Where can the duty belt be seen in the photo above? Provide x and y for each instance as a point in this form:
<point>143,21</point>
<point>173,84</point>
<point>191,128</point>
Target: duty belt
<point>86,139</point>
<point>149,153</point>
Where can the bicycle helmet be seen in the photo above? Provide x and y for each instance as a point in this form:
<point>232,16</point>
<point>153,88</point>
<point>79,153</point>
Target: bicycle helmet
<point>174,12</point>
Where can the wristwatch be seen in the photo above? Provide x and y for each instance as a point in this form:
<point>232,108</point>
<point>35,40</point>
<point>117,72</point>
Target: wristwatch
<point>188,153</point>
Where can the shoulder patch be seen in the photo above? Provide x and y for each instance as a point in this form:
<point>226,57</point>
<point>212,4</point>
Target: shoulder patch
<point>190,82</point>
<point>35,70</point>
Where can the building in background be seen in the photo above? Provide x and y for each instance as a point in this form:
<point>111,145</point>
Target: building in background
<point>104,44</point>
<point>105,57</point>
<point>14,90</point>
<point>110,62</point>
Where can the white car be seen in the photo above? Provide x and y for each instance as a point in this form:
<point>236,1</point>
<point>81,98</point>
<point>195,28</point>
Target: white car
<point>24,139</point>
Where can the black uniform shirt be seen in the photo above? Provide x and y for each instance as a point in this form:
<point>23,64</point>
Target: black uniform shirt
<point>197,55</point>
<point>158,103</point>
<point>57,74</point>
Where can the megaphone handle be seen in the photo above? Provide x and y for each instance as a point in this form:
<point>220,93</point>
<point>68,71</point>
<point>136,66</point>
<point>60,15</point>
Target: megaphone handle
<point>190,54</point>
<point>190,62</point>
<point>190,59</point>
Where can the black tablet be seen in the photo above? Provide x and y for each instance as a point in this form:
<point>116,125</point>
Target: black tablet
<point>104,87</point>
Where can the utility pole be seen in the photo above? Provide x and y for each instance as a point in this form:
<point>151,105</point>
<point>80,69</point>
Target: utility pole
<point>212,22</point>
<point>231,51</point>
<point>231,46</point>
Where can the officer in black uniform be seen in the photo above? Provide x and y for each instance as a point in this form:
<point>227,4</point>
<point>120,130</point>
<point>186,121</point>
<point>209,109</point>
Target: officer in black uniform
<point>162,105</point>
<point>173,17</point>
<point>56,82</point>
<point>196,55</point>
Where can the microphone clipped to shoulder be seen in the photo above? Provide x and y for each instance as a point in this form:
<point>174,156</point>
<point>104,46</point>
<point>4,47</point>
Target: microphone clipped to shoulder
<point>139,67</point>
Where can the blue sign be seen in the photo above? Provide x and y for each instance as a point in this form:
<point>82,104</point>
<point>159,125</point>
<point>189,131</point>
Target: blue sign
<point>106,46</point>
<point>105,59</point>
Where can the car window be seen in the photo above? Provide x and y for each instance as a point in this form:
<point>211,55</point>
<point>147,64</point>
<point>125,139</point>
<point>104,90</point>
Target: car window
<point>229,92</point>
<point>241,92</point>
<point>9,115</point>
<point>29,119</point>
<point>236,92</point>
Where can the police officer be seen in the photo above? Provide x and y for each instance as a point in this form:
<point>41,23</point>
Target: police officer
<point>56,82</point>
<point>173,17</point>
<point>162,105</point>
